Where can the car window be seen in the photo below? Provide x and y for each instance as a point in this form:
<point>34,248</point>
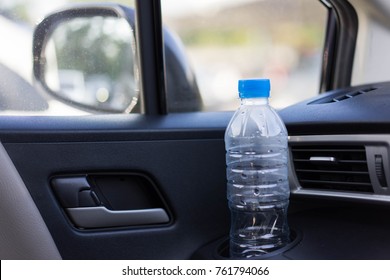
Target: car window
<point>209,45</point>
<point>372,61</point>
<point>227,40</point>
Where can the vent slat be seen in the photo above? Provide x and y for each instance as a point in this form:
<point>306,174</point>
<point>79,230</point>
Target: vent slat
<point>332,172</point>
<point>327,150</point>
<point>342,96</point>
<point>337,183</point>
<point>347,172</point>
<point>339,161</point>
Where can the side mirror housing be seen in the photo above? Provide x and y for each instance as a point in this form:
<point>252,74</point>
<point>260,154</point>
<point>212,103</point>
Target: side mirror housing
<point>86,56</point>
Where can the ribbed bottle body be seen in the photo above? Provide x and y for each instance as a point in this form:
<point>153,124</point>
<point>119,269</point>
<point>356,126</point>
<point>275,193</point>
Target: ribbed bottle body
<point>257,179</point>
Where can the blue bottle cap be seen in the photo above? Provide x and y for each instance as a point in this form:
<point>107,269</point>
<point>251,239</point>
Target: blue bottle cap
<point>253,88</point>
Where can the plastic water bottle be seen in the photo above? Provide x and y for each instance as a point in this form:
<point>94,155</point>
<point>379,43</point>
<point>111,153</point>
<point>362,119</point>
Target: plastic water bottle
<point>257,174</point>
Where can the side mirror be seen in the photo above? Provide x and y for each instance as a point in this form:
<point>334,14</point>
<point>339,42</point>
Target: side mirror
<point>86,56</point>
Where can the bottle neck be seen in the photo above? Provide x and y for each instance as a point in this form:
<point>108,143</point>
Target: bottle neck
<point>254,101</point>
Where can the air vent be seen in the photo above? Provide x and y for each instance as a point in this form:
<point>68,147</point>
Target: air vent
<point>336,168</point>
<point>342,96</point>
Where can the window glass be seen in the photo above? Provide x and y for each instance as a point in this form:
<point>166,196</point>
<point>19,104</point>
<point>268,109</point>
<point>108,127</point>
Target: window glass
<point>227,40</point>
<point>372,61</point>
<point>98,77</point>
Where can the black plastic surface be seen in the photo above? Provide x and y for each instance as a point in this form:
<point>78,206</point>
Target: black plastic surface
<point>73,192</point>
<point>190,174</point>
<point>349,232</point>
<point>133,127</point>
<point>126,191</point>
<point>365,113</point>
<point>341,59</point>
<point>333,231</point>
<point>219,249</point>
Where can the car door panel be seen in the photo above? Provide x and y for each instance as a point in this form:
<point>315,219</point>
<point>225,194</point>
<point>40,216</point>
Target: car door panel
<point>186,164</point>
<point>183,154</point>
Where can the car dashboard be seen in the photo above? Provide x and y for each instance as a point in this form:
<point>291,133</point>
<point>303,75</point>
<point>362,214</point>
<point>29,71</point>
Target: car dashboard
<point>339,174</point>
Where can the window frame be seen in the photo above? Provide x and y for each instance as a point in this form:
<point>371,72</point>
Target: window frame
<point>340,44</point>
<point>150,48</point>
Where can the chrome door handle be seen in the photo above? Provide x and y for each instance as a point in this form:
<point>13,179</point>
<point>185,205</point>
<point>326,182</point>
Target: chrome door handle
<point>99,217</point>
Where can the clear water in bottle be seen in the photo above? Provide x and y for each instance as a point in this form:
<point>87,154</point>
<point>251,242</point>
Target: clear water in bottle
<point>257,174</point>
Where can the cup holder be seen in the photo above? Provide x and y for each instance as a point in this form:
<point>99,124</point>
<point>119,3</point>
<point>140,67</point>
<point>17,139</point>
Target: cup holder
<point>219,250</point>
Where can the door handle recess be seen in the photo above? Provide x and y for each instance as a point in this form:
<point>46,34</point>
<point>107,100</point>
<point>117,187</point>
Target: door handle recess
<point>98,217</point>
<point>111,200</point>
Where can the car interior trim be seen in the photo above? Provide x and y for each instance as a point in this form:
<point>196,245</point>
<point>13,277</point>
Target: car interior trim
<point>150,49</point>
<point>340,45</point>
<point>24,234</point>
<point>329,49</point>
<point>377,153</point>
